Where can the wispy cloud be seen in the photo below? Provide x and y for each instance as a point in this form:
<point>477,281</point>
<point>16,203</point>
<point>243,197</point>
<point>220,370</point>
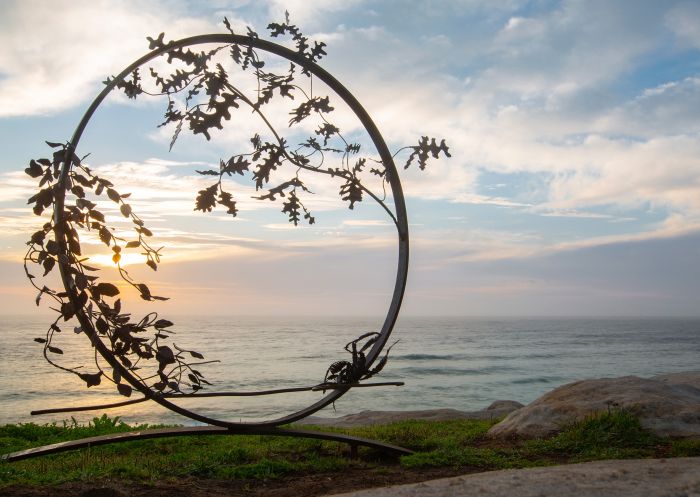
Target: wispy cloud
<point>51,62</point>
<point>559,115</point>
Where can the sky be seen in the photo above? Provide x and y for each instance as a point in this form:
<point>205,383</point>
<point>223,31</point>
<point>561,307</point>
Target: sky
<point>573,188</point>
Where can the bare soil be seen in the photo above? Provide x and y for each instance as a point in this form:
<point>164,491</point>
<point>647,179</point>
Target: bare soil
<point>292,486</point>
<point>387,473</point>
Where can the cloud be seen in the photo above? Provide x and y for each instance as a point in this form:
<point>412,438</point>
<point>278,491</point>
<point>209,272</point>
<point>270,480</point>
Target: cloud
<point>684,21</point>
<point>16,186</point>
<point>366,222</point>
<point>668,109</point>
<point>57,52</point>
<point>162,194</point>
<point>573,46</point>
<point>521,110</point>
<point>584,112</point>
<point>305,13</point>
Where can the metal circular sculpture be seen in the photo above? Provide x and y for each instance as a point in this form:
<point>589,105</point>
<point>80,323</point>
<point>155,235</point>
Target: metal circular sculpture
<point>64,179</point>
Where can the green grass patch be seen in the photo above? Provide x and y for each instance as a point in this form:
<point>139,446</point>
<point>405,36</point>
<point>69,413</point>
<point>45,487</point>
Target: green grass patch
<point>613,435</point>
<point>616,434</point>
<point>685,448</point>
<point>454,444</point>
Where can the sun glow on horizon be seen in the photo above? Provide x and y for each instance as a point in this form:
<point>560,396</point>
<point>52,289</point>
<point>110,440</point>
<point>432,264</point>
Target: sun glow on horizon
<point>127,259</point>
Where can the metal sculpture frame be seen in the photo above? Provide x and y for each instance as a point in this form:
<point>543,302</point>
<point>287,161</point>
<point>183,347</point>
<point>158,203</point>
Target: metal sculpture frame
<point>219,426</point>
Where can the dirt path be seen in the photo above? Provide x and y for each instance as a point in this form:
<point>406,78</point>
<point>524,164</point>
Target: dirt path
<point>630,478</point>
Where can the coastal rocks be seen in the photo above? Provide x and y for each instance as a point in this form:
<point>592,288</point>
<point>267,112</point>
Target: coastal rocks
<point>497,409</point>
<point>667,405</point>
<point>502,407</point>
<point>691,378</point>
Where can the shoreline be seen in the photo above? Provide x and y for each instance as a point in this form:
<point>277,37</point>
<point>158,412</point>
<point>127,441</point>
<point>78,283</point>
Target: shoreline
<point>680,390</point>
<point>451,458</point>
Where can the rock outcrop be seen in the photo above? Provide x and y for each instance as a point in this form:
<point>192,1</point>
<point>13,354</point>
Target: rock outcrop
<point>636,478</point>
<point>496,410</point>
<point>667,405</point>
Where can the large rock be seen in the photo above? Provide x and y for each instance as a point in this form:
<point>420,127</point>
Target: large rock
<point>667,405</point>
<point>677,477</point>
<point>691,378</point>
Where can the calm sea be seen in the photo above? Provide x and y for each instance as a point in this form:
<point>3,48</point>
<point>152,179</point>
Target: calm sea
<point>462,363</point>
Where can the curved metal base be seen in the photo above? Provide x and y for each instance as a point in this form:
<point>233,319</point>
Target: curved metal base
<point>202,430</point>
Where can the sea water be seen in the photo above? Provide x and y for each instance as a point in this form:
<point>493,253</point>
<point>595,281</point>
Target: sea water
<point>460,363</point>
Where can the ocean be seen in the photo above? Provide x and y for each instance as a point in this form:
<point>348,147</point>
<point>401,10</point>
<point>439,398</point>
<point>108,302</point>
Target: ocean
<point>460,363</point>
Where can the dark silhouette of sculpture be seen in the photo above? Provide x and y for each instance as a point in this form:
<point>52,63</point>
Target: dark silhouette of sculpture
<point>138,351</point>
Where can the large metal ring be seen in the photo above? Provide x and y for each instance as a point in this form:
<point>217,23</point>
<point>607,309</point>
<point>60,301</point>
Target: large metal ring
<point>396,191</point>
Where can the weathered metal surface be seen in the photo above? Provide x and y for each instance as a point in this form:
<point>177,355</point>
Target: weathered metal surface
<point>316,388</point>
<point>347,374</point>
<point>397,195</point>
<point>200,431</point>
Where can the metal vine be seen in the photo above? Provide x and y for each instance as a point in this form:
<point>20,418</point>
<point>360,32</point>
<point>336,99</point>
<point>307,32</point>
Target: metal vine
<point>201,96</point>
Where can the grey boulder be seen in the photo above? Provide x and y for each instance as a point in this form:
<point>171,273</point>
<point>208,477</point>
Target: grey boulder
<point>667,405</point>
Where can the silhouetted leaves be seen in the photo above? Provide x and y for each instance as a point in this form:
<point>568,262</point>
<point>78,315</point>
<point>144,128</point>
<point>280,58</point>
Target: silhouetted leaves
<point>131,87</point>
<point>425,149</point>
<point>327,130</point>
<point>302,42</point>
<point>280,189</point>
<point>227,201</point>
<point>38,237</point>
<point>236,164</point>
<point>351,191</point>
<point>228,25</point>
<point>208,172</point>
<point>378,172</point>
<point>42,200</point>
<point>165,356</point>
<point>201,121</point>
<point>124,389</point>
<point>316,104</point>
<point>52,247</point>
<point>292,206</point>
<point>34,170</point>
<point>48,265</point>
<point>113,195</point>
<point>101,325</point>
<point>273,159</point>
<point>106,289</point>
<point>178,129</point>
<point>105,236</point>
<point>206,199</point>
<point>97,216</point>
<point>156,43</point>
<point>208,96</point>
<point>91,379</point>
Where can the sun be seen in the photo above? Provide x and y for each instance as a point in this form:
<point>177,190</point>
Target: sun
<point>127,259</point>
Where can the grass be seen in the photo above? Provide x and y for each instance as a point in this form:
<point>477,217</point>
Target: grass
<point>454,444</point>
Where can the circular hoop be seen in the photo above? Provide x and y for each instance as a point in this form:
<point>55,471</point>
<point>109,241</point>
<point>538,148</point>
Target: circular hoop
<point>391,174</point>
